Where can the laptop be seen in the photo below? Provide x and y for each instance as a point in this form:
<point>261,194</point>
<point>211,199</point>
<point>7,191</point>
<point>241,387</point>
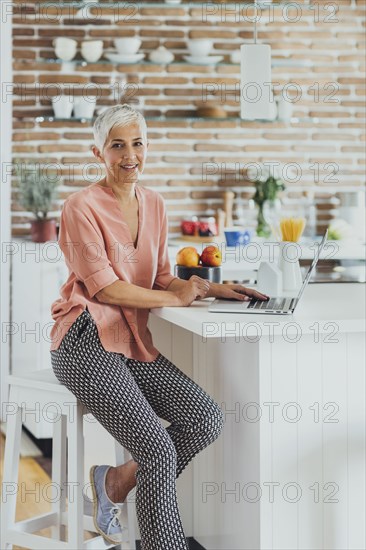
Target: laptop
<point>278,305</point>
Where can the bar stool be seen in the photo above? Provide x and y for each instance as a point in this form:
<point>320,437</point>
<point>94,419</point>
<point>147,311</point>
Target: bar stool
<point>42,388</point>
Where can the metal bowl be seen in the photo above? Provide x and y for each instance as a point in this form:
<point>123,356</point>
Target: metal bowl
<point>212,274</point>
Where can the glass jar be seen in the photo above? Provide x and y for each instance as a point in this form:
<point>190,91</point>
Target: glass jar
<point>207,226</point>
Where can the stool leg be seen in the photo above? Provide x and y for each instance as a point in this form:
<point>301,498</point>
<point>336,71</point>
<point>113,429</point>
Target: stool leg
<point>122,456</point>
<point>75,478</point>
<point>59,443</point>
<point>10,473</point>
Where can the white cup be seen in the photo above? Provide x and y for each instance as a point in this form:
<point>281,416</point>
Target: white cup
<point>199,46</point>
<point>285,109</point>
<point>62,106</point>
<point>235,56</point>
<point>92,50</point>
<point>127,45</point>
<point>84,106</point>
<point>65,48</point>
<point>66,54</point>
<point>63,42</point>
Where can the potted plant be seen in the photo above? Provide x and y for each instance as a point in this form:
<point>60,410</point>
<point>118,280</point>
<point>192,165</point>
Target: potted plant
<point>37,187</point>
<point>267,185</point>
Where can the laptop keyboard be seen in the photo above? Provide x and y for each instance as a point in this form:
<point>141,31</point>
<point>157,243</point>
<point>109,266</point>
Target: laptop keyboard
<point>272,303</point>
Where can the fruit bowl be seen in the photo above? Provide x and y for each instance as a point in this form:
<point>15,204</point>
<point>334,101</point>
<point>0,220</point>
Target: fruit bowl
<point>212,274</point>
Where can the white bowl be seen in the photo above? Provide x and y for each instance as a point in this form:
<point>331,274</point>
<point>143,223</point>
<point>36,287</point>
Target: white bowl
<point>65,53</point>
<point>92,50</point>
<point>235,56</point>
<point>64,42</point>
<point>161,55</point>
<point>199,46</point>
<point>91,57</point>
<point>127,45</point>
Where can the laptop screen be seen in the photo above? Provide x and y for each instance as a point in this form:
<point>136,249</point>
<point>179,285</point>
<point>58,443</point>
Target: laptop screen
<point>313,264</point>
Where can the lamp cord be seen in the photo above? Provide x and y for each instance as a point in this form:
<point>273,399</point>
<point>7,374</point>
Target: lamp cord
<point>255,23</point>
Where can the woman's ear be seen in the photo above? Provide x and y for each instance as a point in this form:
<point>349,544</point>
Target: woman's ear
<point>147,144</point>
<point>97,153</point>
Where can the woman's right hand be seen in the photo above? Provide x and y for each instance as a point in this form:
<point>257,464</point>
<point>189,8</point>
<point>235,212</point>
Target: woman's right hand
<point>194,289</point>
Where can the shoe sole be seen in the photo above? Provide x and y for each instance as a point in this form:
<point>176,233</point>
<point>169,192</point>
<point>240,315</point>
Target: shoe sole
<point>95,508</point>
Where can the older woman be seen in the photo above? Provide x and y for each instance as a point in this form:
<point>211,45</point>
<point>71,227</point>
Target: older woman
<point>113,235</point>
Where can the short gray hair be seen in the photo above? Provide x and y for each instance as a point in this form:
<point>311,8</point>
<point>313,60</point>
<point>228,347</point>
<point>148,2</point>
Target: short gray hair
<point>118,115</point>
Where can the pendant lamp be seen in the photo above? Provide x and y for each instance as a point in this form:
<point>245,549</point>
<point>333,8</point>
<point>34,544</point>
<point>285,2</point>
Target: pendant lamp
<point>256,94</point>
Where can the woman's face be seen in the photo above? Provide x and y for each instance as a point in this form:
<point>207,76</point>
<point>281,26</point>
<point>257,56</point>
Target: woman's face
<point>124,153</point>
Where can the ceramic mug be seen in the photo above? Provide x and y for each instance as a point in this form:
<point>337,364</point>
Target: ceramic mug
<point>84,107</point>
<point>62,106</point>
<point>92,50</point>
<point>64,42</point>
<point>127,46</point>
<point>199,46</point>
<point>235,56</point>
<point>65,48</point>
<point>285,109</point>
<point>236,235</point>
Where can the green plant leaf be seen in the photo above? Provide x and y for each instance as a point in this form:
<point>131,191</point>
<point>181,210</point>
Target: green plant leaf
<point>37,187</point>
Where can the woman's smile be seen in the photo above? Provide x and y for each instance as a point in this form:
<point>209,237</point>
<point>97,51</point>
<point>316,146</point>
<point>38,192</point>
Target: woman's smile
<point>129,167</point>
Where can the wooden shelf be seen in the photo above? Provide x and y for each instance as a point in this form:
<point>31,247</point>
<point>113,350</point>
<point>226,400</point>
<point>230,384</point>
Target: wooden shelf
<point>175,119</point>
<point>276,62</point>
<point>197,239</point>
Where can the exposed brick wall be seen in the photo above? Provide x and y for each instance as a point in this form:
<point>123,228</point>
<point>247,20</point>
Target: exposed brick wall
<point>192,161</point>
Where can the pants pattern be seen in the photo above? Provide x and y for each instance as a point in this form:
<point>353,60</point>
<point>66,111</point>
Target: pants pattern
<point>127,397</point>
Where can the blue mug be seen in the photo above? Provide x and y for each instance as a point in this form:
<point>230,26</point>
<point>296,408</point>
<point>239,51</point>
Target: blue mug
<point>237,236</point>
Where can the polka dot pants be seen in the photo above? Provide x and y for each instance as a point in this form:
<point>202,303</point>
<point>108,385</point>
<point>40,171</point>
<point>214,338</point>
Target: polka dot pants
<point>127,397</point>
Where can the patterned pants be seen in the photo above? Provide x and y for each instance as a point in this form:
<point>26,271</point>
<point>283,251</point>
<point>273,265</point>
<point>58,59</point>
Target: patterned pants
<point>127,397</point>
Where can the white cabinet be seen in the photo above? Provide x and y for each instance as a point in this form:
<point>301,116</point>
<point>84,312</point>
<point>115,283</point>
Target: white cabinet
<point>288,469</point>
<point>38,272</point>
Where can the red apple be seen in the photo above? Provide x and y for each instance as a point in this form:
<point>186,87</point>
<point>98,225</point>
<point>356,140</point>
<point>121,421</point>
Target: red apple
<point>211,256</point>
<point>187,256</point>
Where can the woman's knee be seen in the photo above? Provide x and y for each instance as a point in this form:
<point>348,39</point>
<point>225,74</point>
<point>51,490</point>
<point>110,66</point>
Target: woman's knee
<point>213,422</point>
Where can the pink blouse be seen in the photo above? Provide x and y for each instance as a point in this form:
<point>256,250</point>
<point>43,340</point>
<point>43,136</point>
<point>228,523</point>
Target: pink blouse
<point>98,250</point>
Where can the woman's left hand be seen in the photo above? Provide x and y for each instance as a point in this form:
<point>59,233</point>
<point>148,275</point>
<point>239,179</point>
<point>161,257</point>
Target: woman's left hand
<point>236,292</point>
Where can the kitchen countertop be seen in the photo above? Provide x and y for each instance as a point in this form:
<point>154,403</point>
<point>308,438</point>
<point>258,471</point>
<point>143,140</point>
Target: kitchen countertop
<point>336,307</point>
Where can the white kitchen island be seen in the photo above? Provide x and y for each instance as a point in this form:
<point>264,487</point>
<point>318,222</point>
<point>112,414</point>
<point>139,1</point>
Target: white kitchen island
<point>288,470</point>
